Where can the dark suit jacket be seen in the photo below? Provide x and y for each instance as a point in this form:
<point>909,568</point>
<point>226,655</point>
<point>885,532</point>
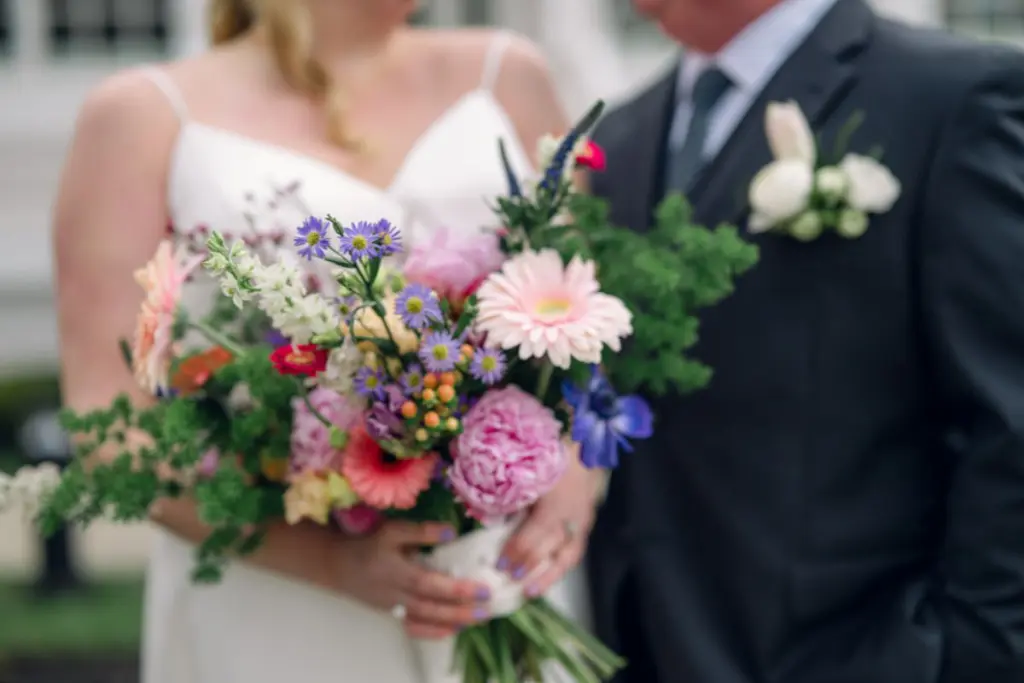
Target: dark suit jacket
<point>845,502</point>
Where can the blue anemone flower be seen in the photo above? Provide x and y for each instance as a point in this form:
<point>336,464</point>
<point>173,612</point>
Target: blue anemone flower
<point>604,422</point>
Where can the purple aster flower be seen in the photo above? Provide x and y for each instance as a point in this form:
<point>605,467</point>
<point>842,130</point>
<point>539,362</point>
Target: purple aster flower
<point>370,383</point>
<point>412,380</point>
<point>439,352</point>
<point>312,237</point>
<point>389,239</point>
<point>358,241</point>
<point>603,422</point>
<point>417,306</point>
<point>385,419</point>
<point>488,366</point>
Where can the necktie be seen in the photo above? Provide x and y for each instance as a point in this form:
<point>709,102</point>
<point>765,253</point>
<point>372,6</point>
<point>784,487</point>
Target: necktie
<point>685,162</point>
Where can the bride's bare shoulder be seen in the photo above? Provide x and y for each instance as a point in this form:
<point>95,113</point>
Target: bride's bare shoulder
<point>469,51</point>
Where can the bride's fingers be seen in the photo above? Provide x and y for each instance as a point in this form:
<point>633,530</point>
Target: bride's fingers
<point>567,557</point>
<point>435,586</point>
<point>533,543</point>
<point>443,615</point>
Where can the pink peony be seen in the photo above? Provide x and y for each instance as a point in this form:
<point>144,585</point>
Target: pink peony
<point>454,266</point>
<point>311,448</point>
<point>358,520</point>
<point>509,454</point>
<point>153,346</point>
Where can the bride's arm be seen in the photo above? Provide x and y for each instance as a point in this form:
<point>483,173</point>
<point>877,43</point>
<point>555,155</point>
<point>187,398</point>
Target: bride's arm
<point>109,217</point>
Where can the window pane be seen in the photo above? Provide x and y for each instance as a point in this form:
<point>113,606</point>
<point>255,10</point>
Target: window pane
<point>6,24</point>
<point>108,26</point>
<point>477,12</point>
<point>996,18</point>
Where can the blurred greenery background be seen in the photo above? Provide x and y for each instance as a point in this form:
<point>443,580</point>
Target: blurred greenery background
<point>55,626</point>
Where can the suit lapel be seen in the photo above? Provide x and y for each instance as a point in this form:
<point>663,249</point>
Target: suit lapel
<point>641,170</point>
<point>818,74</point>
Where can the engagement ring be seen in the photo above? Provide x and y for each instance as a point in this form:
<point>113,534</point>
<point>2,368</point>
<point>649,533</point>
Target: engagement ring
<point>398,612</point>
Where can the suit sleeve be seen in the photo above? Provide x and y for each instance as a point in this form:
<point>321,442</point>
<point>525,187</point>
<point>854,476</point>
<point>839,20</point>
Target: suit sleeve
<point>972,304</point>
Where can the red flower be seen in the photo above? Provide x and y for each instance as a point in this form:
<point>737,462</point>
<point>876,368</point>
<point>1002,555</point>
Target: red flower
<point>299,359</point>
<point>592,157</point>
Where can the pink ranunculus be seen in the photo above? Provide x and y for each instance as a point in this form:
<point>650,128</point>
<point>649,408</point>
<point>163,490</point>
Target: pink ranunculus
<point>453,265</point>
<point>311,448</point>
<point>358,520</point>
<point>509,454</point>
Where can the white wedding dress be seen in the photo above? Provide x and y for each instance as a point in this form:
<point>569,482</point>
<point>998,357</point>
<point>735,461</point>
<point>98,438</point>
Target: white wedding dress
<point>257,627</point>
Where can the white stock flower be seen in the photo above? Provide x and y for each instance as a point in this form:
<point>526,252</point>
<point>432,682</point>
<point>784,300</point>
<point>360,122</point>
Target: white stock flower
<point>789,133</point>
<point>852,223</point>
<point>831,182</point>
<point>343,363</point>
<point>26,489</point>
<point>873,187</point>
<point>781,190</point>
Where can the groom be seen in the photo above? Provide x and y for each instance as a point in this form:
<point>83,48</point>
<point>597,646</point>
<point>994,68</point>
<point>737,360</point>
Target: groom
<point>845,502</point>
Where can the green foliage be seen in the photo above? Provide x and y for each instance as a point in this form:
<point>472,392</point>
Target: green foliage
<point>664,275</point>
<point>157,447</point>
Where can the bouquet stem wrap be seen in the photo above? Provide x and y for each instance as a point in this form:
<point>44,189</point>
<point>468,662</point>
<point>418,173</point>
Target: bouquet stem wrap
<point>472,556</point>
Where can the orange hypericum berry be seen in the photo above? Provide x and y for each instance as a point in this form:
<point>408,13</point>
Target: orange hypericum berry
<point>421,435</point>
<point>430,380</point>
<point>451,424</point>
<point>431,420</point>
<point>429,395</point>
<point>446,392</point>
<point>409,410</point>
<point>467,350</point>
<point>448,378</point>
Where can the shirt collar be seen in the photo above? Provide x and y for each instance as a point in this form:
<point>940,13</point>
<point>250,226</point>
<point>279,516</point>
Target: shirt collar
<point>756,53</point>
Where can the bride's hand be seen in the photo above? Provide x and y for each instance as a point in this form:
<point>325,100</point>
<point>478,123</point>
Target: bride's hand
<point>553,537</point>
<point>381,570</point>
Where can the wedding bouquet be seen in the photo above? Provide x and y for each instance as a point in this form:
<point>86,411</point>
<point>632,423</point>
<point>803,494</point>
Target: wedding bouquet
<point>451,389</point>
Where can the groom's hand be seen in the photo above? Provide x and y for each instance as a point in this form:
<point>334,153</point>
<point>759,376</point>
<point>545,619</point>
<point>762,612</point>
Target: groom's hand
<point>382,571</point>
<point>553,537</point>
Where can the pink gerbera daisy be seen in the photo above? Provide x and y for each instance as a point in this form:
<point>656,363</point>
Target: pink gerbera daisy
<point>380,480</point>
<point>547,309</point>
<point>162,279</point>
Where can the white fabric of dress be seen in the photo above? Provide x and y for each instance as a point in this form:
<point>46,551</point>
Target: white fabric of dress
<point>255,626</point>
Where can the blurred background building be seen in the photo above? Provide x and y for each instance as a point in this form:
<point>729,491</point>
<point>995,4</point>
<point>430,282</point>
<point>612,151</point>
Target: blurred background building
<point>53,51</point>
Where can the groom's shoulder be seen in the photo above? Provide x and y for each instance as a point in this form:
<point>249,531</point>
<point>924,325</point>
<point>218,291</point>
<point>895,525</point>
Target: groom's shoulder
<point>928,61</point>
<point>619,123</point>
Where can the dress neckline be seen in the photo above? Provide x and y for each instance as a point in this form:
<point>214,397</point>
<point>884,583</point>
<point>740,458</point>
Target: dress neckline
<point>314,161</point>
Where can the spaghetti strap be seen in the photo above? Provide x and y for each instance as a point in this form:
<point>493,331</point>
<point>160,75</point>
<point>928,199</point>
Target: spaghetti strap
<point>164,84</point>
<point>492,61</point>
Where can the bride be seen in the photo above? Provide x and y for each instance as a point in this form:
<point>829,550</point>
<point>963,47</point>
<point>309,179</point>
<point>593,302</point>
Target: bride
<point>302,106</point>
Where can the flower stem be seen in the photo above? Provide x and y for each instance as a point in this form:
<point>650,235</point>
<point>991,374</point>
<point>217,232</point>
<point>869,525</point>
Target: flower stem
<point>309,404</point>
<point>218,338</point>
<point>544,379</point>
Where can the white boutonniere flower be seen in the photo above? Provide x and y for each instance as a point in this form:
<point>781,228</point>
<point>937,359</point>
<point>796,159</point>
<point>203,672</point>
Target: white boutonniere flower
<point>799,195</point>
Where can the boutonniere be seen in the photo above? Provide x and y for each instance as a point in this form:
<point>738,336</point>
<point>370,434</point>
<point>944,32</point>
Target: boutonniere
<point>802,195</point>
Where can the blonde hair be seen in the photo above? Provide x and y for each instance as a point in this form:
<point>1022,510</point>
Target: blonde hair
<point>289,30</point>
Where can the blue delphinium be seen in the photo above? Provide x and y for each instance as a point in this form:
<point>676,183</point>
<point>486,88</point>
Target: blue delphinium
<point>603,422</point>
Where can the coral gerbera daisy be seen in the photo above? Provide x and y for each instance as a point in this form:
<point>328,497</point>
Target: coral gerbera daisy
<point>381,481</point>
<point>547,309</point>
<point>153,346</point>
